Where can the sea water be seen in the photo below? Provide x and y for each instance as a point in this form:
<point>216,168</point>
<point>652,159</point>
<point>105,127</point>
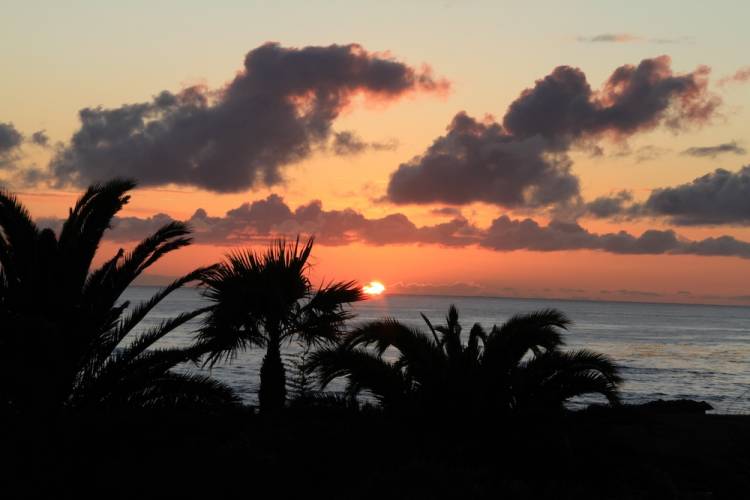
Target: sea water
<point>665,351</point>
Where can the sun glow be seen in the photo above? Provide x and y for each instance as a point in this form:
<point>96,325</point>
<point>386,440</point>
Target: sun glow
<point>373,288</point>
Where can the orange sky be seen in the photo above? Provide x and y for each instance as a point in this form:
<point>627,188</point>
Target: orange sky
<point>63,73</point>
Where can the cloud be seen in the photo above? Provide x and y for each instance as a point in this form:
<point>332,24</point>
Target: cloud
<point>506,234</point>
<point>523,163</point>
<point>273,113</point>
<point>40,138</point>
<point>271,217</point>
<point>610,38</point>
<point>714,151</point>
<point>265,219</point>
<point>10,141</point>
<point>349,143</point>
<point>478,161</point>
<point>719,197</point>
<point>609,206</point>
<point>742,75</point>
<point>10,138</point>
<point>642,154</point>
<point>562,106</point>
<point>447,211</point>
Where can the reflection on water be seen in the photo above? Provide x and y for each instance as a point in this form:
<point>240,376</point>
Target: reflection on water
<point>665,350</point>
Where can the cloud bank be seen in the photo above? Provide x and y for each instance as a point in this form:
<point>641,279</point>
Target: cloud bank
<point>262,220</point>
<point>273,113</point>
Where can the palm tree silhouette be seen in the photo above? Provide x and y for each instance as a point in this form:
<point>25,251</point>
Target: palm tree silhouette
<point>517,366</point>
<point>65,339</point>
<point>265,299</point>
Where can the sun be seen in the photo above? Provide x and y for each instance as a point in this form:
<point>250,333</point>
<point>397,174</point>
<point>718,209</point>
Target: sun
<point>373,288</point>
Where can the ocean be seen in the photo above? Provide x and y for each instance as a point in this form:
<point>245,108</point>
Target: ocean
<point>665,351</point>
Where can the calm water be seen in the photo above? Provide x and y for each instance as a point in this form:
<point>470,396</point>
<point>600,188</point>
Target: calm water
<point>665,350</point>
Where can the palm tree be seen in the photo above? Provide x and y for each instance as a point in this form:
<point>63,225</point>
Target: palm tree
<point>518,366</point>
<point>66,338</point>
<point>266,299</point>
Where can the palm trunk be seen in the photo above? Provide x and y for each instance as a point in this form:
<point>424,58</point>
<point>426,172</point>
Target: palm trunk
<point>272,393</point>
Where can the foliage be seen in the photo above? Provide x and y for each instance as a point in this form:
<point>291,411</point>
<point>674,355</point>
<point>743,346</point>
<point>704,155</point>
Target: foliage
<point>67,338</point>
<point>517,366</point>
<point>266,299</point>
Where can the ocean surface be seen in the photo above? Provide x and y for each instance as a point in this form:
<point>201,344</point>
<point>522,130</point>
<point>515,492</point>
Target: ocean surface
<point>666,351</point>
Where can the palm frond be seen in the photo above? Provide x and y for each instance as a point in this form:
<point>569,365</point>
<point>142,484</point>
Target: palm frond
<point>141,310</point>
<point>153,335</point>
<point>556,376</point>
<point>18,234</point>
<point>178,390</point>
<point>323,317</point>
<point>476,334</point>
<point>451,333</point>
<point>82,232</point>
<point>107,283</point>
<point>363,370</point>
<point>506,346</point>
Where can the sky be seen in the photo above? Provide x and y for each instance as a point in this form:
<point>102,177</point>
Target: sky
<point>593,150</point>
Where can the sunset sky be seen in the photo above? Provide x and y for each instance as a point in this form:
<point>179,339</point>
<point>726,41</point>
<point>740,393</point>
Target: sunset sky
<point>566,149</point>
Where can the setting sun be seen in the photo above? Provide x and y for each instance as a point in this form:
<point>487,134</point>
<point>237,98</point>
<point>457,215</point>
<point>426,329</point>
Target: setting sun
<point>373,288</point>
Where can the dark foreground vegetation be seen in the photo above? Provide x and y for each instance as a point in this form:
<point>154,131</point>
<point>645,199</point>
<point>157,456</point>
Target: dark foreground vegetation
<point>339,454</point>
<point>91,406</point>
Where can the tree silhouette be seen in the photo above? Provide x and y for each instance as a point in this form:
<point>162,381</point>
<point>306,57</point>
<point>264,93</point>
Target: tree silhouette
<point>517,366</point>
<point>266,299</point>
<point>66,338</point>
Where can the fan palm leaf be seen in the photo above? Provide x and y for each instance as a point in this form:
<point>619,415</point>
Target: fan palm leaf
<point>63,318</point>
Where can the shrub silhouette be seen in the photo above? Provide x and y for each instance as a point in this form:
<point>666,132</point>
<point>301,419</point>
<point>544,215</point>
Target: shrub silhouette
<point>65,339</point>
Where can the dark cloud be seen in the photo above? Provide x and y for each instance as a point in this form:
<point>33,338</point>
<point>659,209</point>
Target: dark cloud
<point>714,151</point>
<point>269,218</point>
<point>562,106</point>
<point>506,234</point>
<point>40,138</point>
<point>447,211</point>
<point>275,111</point>
<point>349,143</point>
<point>10,141</point>
<point>522,163</point>
<point>10,138</point>
<point>719,197</point>
<point>609,206</point>
<point>742,75</point>
<point>478,161</point>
